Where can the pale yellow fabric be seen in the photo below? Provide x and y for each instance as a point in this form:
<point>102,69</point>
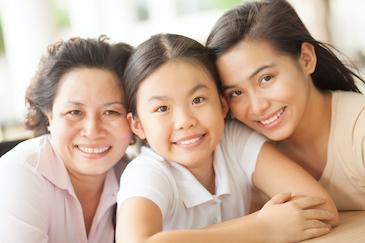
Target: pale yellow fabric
<point>344,174</point>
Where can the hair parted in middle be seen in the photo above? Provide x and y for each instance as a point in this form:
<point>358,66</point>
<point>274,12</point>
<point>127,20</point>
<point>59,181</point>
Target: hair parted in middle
<point>155,52</point>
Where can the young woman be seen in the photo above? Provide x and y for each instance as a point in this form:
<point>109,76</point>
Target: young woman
<point>293,89</point>
<point>61,186</point>
<point>197,171</point>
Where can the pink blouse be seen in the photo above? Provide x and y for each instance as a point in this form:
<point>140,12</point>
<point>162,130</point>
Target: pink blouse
<point>38,203</point>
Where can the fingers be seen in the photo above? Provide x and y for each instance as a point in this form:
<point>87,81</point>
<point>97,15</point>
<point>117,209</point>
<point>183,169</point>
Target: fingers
<point>279,198</point>
<point>308,202</point>
<point>318,214</point>
<point>315,232</point>
<point>311,224</point>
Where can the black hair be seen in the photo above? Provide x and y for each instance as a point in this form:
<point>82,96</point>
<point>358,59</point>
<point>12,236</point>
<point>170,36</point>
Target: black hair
<point>158,50</point>
<point>276,22</point>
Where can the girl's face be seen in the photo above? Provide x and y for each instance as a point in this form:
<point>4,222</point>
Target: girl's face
<point>88,124</point>
<point>266,90</point>
<point>180,113</point>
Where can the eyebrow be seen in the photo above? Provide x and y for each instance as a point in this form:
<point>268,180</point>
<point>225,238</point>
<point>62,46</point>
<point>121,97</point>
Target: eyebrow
<point>259,69</point>
<point>106,104</point>
<point>192,91</point>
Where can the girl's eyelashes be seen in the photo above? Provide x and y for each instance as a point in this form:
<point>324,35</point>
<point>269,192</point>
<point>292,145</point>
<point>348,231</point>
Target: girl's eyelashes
<point>198,100</point>
<point>161,109</point>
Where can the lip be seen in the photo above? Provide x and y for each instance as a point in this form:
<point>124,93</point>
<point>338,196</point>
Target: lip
<point>190,141</point>
<point>276,121</point>
<point>93,151</point>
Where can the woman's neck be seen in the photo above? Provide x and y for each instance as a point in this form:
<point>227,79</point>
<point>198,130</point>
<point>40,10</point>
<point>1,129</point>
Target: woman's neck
<point>88,190</point>
<point>308,144</point>
<point>316,121</point>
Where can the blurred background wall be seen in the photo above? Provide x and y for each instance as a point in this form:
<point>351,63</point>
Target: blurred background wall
<point>28,26</point>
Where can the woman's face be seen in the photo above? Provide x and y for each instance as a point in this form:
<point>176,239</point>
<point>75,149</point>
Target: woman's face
<point>88,123</point>
<point>265,89</point>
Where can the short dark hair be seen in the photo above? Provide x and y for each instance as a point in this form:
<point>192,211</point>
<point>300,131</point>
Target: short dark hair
<point>62,57</point>
<point>158,50</point>
<point>276,22</point>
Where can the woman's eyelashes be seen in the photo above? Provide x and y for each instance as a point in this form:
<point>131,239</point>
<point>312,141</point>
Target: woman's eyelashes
<point>108,114</point>
<point>73,114</point>
<point>265,79</point>
<point>113,113</point>
<point>232,93</point>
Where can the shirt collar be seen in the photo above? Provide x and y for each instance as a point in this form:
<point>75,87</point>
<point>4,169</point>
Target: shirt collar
<point>191,191</point>
<point>54,170</point>
<point>52,167</point>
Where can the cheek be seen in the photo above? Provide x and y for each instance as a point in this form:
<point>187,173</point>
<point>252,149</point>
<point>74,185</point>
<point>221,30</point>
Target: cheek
<point>239,110</point>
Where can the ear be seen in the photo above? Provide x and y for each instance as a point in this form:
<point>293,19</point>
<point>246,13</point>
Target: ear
<point>135,125</point>
<point>49,117</point>
<point>308,58</point>
<point>225,107</point>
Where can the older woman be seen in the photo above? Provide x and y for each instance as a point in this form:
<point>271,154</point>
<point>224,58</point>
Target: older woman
<point>61,186</point>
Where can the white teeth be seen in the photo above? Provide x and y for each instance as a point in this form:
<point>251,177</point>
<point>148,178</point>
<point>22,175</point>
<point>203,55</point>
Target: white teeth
<point>190,141</point>
<point>273,118</point>
<point>97,150</point>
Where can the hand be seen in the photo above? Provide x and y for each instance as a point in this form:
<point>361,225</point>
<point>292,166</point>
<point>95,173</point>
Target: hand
<point>295,220</point>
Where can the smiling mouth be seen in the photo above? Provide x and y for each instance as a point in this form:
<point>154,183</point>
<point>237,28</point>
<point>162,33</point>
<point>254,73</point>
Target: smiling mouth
<point>273,118</point>
<point>189,141</point>
<point>94,150</point>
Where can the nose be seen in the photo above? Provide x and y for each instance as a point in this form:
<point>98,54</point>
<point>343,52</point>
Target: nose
<point>258,104</point>
<point>92,127</point>
<point>184,118</point>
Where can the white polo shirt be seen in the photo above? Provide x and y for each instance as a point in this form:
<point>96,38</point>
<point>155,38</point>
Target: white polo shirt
<point>183,201</point>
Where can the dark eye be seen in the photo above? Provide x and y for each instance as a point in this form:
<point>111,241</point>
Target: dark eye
<point>197,100</point>
<point>112,113</point>
<point>235,93</point>
<point>266,79</point>
<point>162,108</point>
<point>74,113</point>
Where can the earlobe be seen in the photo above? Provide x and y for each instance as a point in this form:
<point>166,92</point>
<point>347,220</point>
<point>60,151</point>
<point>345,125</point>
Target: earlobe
<point>135,125</point>
<point>225,107</point>
<point>308,57</point>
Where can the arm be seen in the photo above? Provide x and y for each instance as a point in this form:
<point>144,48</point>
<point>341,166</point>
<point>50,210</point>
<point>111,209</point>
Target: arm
<point>275,173</point>
<point>23,206</point>
<point>139,220</point>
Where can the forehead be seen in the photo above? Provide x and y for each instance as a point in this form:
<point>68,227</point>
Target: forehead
<point>249,51</point>
<point>176,75</point>
<point>89,82</point>
<point>243,59</point>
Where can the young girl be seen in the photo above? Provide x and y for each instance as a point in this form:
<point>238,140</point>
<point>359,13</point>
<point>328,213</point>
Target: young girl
<point>196,172</point>
<point>293,89</point>
<point>61,186</point>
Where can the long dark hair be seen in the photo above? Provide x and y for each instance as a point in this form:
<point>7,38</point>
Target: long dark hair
<point>61,58</point>
<point>276,22</point>
<point>158,50</point>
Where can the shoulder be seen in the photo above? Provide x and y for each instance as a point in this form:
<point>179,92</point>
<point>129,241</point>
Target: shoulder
<point>26,152</point>
<point>19,171</point>
<point>343,100</point>
<point>150,177</point>
<point>237,135</point>
<point>348,125</point>
<point>24,192</point>
<point>348,111</point>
